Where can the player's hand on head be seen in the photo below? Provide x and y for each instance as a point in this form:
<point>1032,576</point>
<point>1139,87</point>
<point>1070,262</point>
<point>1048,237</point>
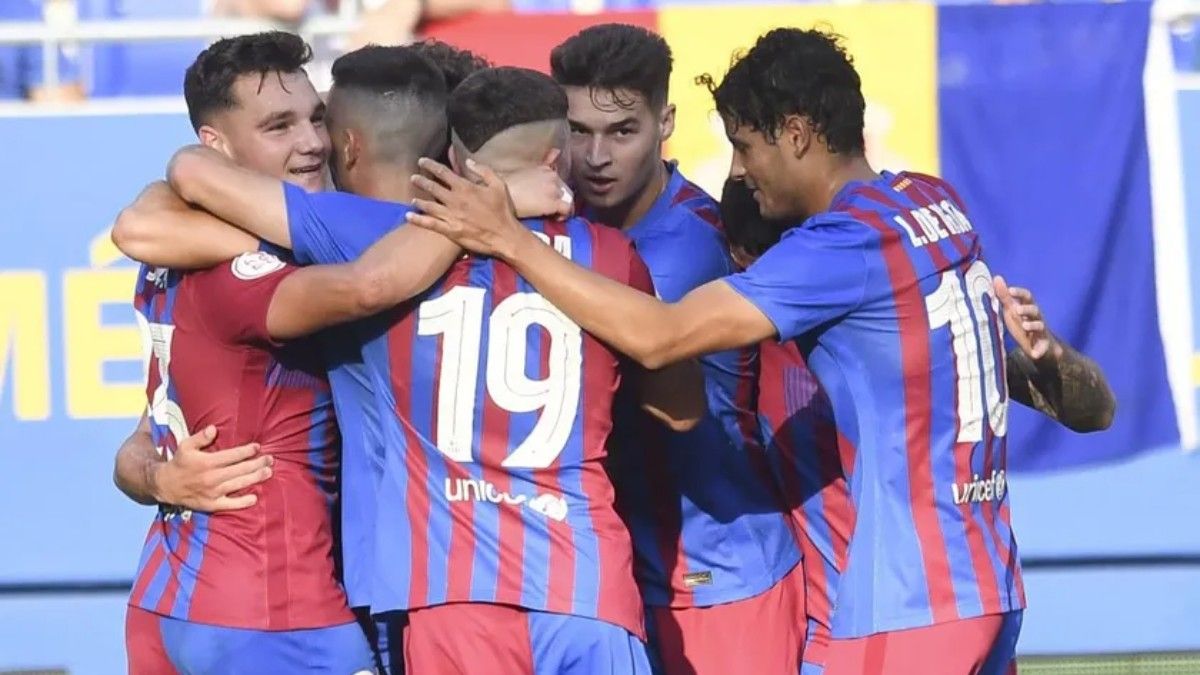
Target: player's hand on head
<point>539,192</point>
<point>202,480</point>
<point>1023,318</point>
<point>476,213</point>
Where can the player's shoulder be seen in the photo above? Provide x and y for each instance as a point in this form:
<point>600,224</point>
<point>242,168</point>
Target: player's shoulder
<point>601,236</point>
<point>249,267</point>
<point>691,209</point>
<point>835,228</point>
<point>334,201</point>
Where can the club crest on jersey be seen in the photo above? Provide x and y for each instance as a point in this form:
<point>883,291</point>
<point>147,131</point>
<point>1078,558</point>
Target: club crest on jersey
<point>255,265</point>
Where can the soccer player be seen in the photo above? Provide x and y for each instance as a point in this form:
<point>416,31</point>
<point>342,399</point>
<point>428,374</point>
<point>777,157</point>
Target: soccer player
<point>520,504</point>
<point>386,104</point>
<point>714,550</point>
<point>253,590</point>
<point>798,422</point>
<point>883,287</point>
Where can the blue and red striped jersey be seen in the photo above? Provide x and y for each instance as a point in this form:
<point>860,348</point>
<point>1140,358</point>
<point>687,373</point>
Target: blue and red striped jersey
<point>211,361</point>
<point>494,487</point>
<point>889,299</point>
<point>331,228</point>
<point>802,442</point>
<point>707,520</point>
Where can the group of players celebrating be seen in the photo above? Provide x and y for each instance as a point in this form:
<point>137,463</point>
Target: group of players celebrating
<point>629,430</point>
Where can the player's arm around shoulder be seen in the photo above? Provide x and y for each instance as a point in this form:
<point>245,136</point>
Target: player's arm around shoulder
<point>161,230</point>
<point>250,200</point>
<point>402,264</point>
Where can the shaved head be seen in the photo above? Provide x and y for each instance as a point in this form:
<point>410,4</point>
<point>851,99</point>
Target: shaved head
<point>518,147</point>
<point>387,108</point>
<point>397,126</point>
<point>509,118</point>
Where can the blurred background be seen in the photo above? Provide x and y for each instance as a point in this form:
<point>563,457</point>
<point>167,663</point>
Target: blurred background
<point>1072,130</point>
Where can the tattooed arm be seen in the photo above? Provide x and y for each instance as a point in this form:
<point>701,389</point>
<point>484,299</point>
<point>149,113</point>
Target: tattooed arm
<point>1046,374</point>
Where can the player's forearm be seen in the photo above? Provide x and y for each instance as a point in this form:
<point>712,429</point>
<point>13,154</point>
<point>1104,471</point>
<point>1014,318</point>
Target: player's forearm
<point>136,463</point>
<point>675,395</point>
<point>634,323</point>
<point>247,199</point>
<point>314,298</point>
<point>1065,385</point>
<point>400,265</point>
<point>157,232</point>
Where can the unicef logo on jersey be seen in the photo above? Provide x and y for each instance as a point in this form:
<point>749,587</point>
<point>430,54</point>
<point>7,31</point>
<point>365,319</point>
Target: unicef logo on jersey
<point>478,490</point>
<point>979,490</point>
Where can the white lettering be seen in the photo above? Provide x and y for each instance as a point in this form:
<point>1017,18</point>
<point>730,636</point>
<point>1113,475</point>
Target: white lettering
<point>979,490</point>
<point>916,239</point>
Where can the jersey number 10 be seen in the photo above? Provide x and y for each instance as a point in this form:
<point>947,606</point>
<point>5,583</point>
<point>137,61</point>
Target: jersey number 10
<point>973,338</point>
<point>458,316</point>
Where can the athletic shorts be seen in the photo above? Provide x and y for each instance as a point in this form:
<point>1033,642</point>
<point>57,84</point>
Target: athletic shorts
<point>984,645</point>
<point>460,638</point>
<point>761,635</point>
<point>160,645</point>
<point>385,634</point>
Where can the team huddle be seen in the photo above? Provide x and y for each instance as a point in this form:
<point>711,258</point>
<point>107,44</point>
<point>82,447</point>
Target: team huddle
<point>514,396</point>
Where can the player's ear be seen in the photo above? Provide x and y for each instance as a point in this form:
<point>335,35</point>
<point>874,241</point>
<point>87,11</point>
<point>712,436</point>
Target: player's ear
<point>666,122</point>
<point>796,134</point>
<point>351,148</point>
<point>455,162</point>
<point>210,137</point>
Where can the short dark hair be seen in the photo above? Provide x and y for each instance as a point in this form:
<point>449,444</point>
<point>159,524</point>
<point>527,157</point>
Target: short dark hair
<point>380,69</point>
<point>795,72</point>
<point>744,225</point>
<point>399,96</point>
<point>614,56</point>
<point>456,64</point>
<point>208,82</point>
<point>495,99</point>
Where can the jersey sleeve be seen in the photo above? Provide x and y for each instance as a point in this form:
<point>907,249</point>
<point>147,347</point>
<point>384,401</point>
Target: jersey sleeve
<point>693,255</point>
<point>233,298</point>
<point>817,273</point>
<point>336,227</point>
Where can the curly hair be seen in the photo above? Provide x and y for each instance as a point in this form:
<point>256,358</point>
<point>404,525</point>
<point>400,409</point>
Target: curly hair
<point>790,71</point>
<point>208,82</point>
<point>456,64</point>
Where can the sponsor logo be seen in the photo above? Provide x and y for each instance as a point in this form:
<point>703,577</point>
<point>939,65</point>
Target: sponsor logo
<point>978,490</point>
<point>478,490</point>
<point>693,579</point>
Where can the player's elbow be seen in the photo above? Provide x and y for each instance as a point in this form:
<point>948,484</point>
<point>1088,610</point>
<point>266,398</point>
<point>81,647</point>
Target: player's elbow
<point>132,233</point>
<point>185,174</point>
<point>654,350</point>
<point>370,290</point>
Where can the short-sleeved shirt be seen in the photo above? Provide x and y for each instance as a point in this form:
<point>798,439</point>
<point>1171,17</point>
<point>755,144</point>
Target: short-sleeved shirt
<point>212,361</point>
<point>707,519</point>
<point>889,299</point>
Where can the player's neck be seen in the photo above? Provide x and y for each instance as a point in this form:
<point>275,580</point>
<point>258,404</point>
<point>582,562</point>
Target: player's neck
<point>625,216</point>
<point>392,183</point>
<point>843,171</point>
